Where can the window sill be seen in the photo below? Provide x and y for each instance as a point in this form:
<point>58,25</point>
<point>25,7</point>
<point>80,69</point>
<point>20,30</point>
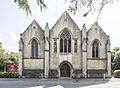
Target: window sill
<point>96,58</point>
<point>33,58</point>
<point>65,53</point>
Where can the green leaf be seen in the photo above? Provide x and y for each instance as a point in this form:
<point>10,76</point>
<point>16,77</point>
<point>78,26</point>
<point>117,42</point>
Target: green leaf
<point>41,4</point>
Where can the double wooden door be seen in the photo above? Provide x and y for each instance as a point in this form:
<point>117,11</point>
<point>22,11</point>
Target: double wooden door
<point>65,70</point>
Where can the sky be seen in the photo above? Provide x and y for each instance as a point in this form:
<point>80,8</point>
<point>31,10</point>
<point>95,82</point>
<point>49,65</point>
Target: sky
<point>14,21</point>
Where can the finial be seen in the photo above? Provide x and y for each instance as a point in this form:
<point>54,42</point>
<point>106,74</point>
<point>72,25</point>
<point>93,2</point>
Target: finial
<point>46,27</point>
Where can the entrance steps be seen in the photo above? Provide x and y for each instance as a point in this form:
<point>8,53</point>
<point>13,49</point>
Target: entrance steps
<point>65,78</point>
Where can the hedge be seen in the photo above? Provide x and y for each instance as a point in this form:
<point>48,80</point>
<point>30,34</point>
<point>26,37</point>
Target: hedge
<point>117,73</point>
<point>9,75</point>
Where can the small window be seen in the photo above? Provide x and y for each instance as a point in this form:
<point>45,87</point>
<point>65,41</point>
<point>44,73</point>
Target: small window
<point>55,46</point>
<point>69,45</point>
<point>34,48</point>
<point>65,45</point>
<point>95,49</point>
<point>75,46</point>
<point>61,45</point>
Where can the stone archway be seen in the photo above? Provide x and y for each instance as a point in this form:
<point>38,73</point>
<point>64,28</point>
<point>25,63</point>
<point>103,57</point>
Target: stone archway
<point>65,69</point>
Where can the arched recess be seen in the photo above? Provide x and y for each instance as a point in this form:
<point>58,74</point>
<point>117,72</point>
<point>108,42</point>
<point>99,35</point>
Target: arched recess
<point>96,40</point>
<point>65,69</point>
<point>66,30</point>
<point>34,38</point>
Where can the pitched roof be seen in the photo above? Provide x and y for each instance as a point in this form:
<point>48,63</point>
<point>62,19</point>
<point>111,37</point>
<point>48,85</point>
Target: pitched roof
<point>34,21</point>
<point>94,26</point>
<point>64,16</point>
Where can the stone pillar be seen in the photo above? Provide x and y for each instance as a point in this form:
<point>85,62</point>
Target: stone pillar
<point>20,56</point>
<point>109,64</point>
<point>84,52</point>
<point>84,64</point>
<point>20,63</point>
<point>47,54</point>
<point>46,63</point>
<point>108,58</point>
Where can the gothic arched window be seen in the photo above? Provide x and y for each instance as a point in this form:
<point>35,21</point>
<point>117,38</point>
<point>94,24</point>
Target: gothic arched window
<point>65,42</point>
<point>95,49</point>
<point>34,48</point>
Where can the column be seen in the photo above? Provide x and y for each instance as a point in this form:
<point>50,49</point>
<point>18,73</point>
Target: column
<point>47,41</point>
<point>84,64</point>
<point>109,64</point>
<point>108,58</point>
<point>20,63</point>
<point>84,51</point>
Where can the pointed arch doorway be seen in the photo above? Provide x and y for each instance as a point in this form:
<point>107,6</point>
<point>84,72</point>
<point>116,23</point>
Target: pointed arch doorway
<point>65,69</point>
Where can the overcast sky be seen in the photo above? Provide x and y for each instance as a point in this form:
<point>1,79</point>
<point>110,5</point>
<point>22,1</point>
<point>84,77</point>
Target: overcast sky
<point>14,21</point>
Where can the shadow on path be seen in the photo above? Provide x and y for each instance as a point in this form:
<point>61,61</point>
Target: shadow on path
<point>56,83</point>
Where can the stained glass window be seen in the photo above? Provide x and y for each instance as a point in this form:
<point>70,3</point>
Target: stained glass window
<point>65,41</point>
<point>34,48</point>
<point>95,49</point>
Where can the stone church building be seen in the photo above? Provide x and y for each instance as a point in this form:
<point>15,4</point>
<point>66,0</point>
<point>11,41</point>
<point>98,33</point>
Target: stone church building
<point>65,50</point>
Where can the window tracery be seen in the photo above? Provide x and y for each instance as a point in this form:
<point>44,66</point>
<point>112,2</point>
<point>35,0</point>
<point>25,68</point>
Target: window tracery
<point>65,42</point>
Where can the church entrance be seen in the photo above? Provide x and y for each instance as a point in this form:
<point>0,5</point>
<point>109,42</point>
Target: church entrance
<point>65,70</point>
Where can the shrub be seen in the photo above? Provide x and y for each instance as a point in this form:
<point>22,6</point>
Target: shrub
<point>1,74</point>
<point>9,75</point>
<point>117,73</point>
<point>6,75</point>
<point>13,75</point>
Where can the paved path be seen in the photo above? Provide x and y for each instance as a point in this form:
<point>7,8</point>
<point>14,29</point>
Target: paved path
<point>60,83</point>
<point>112,83</point>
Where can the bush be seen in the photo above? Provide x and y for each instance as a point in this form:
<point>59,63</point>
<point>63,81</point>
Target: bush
<point>1,74</point>
<point>13,75</point>
<point>6,75</point>
<point>117,73</point>
<point>9,75</point>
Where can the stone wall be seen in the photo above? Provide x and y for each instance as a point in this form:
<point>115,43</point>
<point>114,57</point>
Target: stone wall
<point>33,63</point>
<point>96,64</point>
<point>33,73</point>
<point>34,31</point>
<point>65,22</point>
<point>48,62</point>
<point>97,34</point>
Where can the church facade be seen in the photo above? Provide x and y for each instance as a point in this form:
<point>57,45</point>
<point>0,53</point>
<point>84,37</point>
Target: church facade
<point>64,50</point>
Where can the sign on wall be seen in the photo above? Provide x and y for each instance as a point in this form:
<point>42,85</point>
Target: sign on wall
<point>11,68</point>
